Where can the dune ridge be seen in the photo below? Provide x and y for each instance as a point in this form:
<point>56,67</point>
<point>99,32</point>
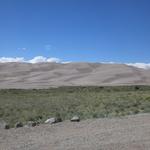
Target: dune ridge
<point>45,75</point>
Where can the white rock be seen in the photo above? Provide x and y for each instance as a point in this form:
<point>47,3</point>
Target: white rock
<point>75,119</point>
<point>50,120</point>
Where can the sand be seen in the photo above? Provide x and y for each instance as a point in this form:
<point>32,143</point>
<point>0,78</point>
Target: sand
<point>45,75</point>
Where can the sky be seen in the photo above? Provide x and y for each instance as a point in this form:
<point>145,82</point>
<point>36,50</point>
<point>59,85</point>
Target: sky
<point>75,30</point>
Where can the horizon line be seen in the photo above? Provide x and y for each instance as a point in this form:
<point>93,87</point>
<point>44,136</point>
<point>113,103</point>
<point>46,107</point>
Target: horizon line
<point>42,59</point>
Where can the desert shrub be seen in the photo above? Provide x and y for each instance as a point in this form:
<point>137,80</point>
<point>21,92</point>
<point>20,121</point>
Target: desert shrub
<point>87,102</point>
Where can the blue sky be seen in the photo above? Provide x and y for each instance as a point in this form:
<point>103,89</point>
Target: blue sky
<point>76,30</point>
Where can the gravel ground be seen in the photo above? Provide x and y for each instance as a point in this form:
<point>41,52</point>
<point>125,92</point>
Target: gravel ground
<point>127,133</point>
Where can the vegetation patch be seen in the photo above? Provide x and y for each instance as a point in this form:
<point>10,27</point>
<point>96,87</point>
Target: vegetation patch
<point>87,102</point>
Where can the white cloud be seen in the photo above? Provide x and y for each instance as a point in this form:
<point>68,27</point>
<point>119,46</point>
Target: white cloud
<point>37,59</point>
<point>140,65</point>
<point>110,62</point>
<point>42,59</point>
<point>22,49</point>
<point>10,59</point>
<point>137,65</point>
<point>66,62</point>
<point>53,60</point>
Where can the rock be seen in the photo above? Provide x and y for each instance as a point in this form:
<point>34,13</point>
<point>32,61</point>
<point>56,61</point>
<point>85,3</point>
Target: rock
<point>53,120</point>
<point>50,120</point>
<point>38,123</point>
<point>75,119</point>
<point>26,126</point>
<point>58,120</point>
<point>4,125</point>
<point>31,124</point>
<point>18,125</point>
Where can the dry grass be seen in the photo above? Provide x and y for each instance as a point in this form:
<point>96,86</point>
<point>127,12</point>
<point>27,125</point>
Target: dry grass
<point>87,102</point>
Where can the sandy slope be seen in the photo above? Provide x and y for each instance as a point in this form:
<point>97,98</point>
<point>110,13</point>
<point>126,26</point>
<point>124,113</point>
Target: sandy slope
<point>44,75</point>
<point>128,133</point>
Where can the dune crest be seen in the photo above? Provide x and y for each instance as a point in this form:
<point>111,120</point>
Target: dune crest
<point>45,75</point>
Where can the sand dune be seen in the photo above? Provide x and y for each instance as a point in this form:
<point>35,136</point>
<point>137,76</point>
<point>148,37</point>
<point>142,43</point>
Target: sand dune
<point>44,75</point>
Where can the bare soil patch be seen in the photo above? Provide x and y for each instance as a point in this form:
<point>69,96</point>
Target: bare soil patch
<point>127,133</point>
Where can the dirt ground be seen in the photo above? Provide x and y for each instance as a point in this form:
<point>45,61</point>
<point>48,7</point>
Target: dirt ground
<point>127,133</point>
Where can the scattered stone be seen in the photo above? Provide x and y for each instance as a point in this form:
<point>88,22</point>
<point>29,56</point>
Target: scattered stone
<point>58,120</point>
<point>75,119</point>
<point>38,123</point>
<point>31,124</point>
<point>26,126</point>
<point>53,120</point>
<point>18,125</point>
<point>7,126</point>
<point>50,120</point>
<point>4,125</point>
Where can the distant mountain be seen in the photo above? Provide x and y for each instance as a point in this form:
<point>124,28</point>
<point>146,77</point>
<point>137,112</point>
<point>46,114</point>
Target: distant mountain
<point>45,75</point>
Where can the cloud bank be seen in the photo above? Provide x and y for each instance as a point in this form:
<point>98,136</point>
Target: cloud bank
<point>137,65</point>
<point>140,65</point>
<point>37,59</point>
<point>10,59</point>
<point>42,59</point>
